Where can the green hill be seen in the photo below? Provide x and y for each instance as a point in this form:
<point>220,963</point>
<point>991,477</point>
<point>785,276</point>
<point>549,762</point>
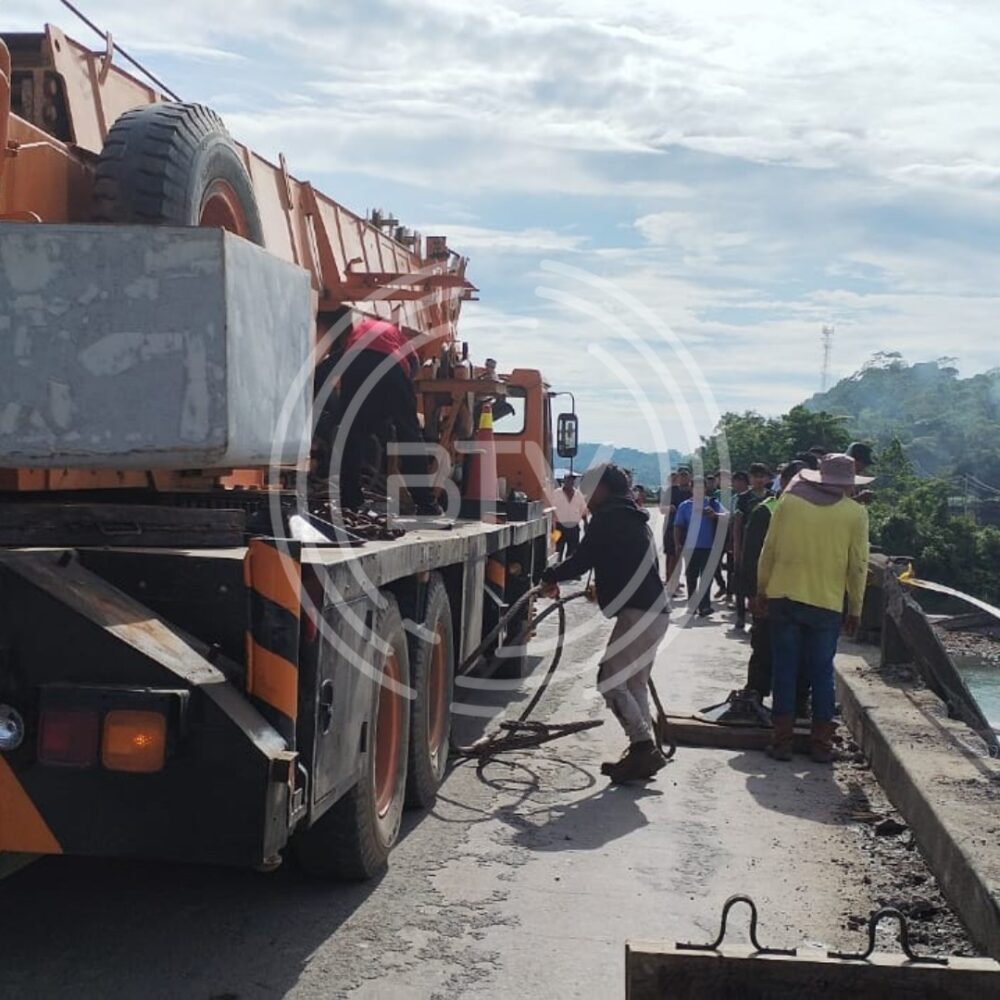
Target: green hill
<point>947,424</point>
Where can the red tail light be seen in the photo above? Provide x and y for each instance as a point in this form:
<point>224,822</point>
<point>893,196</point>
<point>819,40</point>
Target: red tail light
<point>68,736</point>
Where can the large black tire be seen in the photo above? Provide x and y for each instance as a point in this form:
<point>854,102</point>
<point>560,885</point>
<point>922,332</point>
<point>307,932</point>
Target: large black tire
<point>175,165</point>
<point>352,840</point>
<point>432,665</point>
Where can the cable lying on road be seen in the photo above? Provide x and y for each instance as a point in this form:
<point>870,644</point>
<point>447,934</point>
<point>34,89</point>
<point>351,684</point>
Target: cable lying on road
<point>523,734</point>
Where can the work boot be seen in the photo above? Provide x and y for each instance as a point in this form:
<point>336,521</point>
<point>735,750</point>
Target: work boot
<point>821,742</point>
<point>642,760</point>
<point>608,766</point>
<point>781,740</point>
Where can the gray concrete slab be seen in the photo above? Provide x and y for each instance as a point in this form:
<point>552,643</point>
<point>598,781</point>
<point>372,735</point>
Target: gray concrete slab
<point>144,347</point>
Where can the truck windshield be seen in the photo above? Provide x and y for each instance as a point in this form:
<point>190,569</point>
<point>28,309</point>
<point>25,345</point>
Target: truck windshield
<point>509,412</point>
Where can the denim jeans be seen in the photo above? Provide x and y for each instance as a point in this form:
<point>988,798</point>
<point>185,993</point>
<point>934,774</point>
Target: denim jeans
<point>801,633</point>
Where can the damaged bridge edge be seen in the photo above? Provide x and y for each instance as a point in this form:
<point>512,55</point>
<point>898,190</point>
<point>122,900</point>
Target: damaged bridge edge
<point>870,707</point>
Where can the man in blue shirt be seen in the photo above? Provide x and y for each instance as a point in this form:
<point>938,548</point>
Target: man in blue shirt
<point>709,518</point>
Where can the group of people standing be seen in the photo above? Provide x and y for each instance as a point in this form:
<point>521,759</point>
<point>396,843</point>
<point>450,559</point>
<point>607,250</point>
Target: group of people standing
<point>797,546</point>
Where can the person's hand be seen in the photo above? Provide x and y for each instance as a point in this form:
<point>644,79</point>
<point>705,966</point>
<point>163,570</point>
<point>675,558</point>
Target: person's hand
<point>550,590</point>
<point>851,625</point>
<point>758,605</point>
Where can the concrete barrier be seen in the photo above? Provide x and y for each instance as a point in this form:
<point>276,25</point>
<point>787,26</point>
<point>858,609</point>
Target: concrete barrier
<point>938,775</point>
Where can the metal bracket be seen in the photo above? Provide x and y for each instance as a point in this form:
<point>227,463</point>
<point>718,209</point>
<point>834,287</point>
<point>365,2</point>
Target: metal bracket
<point>714,946</point>
<point>904,941</point>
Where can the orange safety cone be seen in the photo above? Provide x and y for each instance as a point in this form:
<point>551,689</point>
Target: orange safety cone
<point>481,482</point>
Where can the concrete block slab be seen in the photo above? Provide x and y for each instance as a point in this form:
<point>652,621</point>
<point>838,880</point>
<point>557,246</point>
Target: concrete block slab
<point>142,347</point>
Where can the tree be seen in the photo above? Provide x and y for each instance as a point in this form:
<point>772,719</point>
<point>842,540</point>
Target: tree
<point>749,437</point>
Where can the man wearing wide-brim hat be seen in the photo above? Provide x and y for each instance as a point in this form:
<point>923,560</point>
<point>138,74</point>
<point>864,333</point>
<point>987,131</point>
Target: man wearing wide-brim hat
<point>816,551</point>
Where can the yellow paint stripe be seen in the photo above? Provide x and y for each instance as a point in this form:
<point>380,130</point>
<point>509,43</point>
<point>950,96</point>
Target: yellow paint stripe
<point>275,575</point>
<point>274,679</point>
<point>21,825</point>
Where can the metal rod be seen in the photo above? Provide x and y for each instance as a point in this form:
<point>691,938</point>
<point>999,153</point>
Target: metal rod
<point>135,62</point>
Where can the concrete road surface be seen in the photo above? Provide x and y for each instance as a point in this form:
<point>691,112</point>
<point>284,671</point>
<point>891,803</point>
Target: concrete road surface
<point>525,881</point>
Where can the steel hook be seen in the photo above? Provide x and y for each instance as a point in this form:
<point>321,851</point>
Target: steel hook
<point>727,906</point>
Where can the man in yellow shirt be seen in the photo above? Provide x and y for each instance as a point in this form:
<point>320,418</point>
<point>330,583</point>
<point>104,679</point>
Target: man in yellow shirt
<point>816,551</point>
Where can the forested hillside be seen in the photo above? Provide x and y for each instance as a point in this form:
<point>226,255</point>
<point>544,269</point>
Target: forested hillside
<point>946,424</point>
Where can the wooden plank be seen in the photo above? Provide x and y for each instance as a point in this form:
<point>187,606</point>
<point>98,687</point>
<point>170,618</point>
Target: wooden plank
<point>656,971</point>
<point>148,525</point>
<point>685,730</point>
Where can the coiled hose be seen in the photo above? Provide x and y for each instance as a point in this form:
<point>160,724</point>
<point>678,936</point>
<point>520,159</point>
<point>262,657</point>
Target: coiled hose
<point>521,733</point>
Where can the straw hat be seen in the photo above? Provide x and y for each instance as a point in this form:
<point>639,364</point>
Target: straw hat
<point>835,470</point>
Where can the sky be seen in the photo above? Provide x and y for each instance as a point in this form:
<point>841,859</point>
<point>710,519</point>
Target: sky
<point>663,202</point>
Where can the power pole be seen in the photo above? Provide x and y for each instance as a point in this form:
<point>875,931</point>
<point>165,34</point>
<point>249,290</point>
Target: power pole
<point>827,337</point>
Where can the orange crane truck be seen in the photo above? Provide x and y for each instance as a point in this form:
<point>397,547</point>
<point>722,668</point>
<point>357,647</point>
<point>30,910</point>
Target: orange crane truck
<point>193,667</point>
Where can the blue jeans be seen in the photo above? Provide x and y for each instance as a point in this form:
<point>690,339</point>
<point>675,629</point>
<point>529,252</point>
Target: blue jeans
<point>806,635</point>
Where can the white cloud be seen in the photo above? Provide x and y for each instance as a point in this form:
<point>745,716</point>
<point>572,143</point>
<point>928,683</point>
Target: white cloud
<point>746,172</point>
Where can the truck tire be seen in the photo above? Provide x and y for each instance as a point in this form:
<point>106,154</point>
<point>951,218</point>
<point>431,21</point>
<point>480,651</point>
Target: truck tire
<point>432,666</point>
<point>174,164</point>
<point>352,840</point>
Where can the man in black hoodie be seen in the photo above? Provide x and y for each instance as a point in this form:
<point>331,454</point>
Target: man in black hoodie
<point>619,547</point>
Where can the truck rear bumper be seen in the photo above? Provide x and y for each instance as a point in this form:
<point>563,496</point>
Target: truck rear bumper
<point>77,648</point>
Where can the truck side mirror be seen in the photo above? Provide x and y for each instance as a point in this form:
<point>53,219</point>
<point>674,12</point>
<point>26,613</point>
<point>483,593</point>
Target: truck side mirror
<point>567,433</point>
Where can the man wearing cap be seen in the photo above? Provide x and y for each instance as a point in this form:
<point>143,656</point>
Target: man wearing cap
<point>863,461</point>
<point>816,550</point>
<point>570,513</point>
<point>620,549</point>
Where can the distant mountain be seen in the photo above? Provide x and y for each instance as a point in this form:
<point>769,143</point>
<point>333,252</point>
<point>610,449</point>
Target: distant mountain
<point>646,466</point>
<point>947,424</point>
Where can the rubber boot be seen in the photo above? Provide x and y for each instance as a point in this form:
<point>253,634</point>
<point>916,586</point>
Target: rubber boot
<point>821,742</point>
<point>781,741</point>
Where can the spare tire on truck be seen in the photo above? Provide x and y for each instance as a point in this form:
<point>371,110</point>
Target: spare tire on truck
<point>353,838</point>
<point>174,164</point>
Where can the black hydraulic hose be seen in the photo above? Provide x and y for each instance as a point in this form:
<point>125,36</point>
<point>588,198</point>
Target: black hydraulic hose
<point>492,744</point>
<point>513,739</point>
<point>560,606</point>
<point>477,654</point>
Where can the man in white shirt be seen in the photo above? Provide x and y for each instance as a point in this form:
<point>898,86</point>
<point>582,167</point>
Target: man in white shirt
<point>570,514</point>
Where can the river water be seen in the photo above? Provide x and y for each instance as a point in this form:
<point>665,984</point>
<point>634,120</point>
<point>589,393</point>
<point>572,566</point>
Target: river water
<point>983,681</point>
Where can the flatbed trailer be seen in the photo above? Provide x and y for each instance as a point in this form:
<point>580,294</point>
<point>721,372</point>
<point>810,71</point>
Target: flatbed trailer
<point>194,664</point>
<point>293,743</point>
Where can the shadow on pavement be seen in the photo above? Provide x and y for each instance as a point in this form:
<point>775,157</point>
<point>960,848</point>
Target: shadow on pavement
<point>85,928</point>
<point>797,788</point>
<point>585,824</point>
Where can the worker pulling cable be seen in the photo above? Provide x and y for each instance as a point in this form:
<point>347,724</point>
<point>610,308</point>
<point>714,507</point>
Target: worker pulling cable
<point>522,733</point>
<point>620,552</point>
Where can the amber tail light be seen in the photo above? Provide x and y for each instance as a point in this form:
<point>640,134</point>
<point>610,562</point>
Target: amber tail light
<point>134,741</point>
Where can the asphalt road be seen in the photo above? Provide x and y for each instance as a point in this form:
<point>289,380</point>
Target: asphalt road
<point>525,881</point>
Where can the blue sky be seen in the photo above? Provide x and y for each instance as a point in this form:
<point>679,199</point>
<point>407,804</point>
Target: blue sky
<point>662,202</point>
